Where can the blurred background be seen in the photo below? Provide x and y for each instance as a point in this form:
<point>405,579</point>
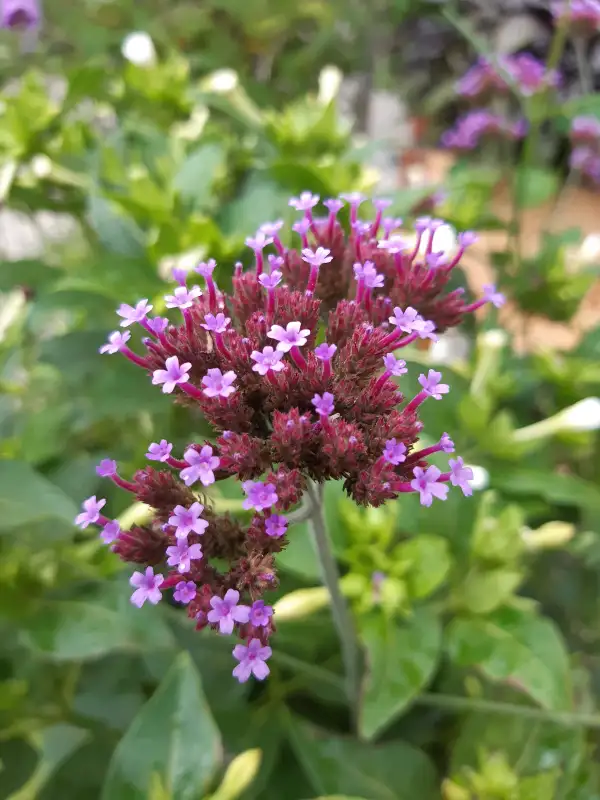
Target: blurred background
<point>136,137</point>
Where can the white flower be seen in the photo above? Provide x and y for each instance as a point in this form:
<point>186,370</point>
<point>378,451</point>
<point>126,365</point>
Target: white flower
<point>138,48</point>
<point>222,81</point>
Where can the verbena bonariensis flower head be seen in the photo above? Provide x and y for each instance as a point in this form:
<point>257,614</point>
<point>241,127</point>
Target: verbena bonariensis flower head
<point>473,126</point>
<point>298,377</point>
<point>19,14</point>
<point>527,74</point>
<point>582,16</point>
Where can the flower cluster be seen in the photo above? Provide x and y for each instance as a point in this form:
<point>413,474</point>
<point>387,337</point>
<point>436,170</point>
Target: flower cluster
<point>582,16</point>
<point>297,371</point>
<point>526,73</point>
<point>473,126</point>
<point>585,155</point>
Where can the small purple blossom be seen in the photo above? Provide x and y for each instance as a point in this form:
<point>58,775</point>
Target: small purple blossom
<point>206,268</point>
<point>395,244</point>
<point>180,275</point>
<point>269,359</point>
<point>23,15</point>
<point>182,297</point>
<point>318,257</point>
<point>91,512</point>
<point>218,384</point>
<point>187,520</point>
<point>259,496</point>
<point>368,274</point>
<point>395,366</point>
<point>333,205</point>
<point>271,229</point>
<point>158,325</point>
<point>426,483</point>
<point>467,238</point>
<point>461,475</point>
<point>302,226</point>
<point>258,242</point>
<point>201,466</point>
<point>116,342</point>
<point>291,336</point>
<point>275,262</point>
<point>432,386</point>
<point>324,405</point>
<point>394,452</point>
<point>408,321</point>
<point>185,592</point>
<point>226,611</point>
<point>260,614</point>
<point>252,661</point>
<point>381,203</point>
<point>305,202</point>
<point>270,281</point>
<point>275,526</point>
<point>354,198</point>
<point>146,587</point>
<point>106,468</point>
<point>110,532</point>
<point>159,451</point>
<point>446,443</point>
<point>436,260</point>
<point>131,314</point>
<point>181,555</point>
<point>490,295</point>
<point>216,323</point>
<point>325,352</point>
<point>174,374</point>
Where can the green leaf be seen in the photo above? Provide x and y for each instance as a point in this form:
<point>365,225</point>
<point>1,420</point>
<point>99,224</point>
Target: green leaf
<point>334,765</point>
<point>117,233</point>
<point>29,274</point>
<point>260,199</point>
<point>427,560</point>
<point>174,736</point>
<point>482,591</point>
<point>300,556</point>
<point>567,490</point>
<point>535,186</point>
<point>401,659</point>
<point>196,176</point>
<point>515,647</point>
<point>26,498</point>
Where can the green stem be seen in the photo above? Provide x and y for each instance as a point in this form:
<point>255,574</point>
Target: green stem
<point>472,704</point>
<point>583,66</point>
<point>339,608</point>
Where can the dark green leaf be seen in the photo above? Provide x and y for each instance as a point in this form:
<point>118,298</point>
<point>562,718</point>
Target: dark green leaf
<point>174,736</point>
<point>401,659</point>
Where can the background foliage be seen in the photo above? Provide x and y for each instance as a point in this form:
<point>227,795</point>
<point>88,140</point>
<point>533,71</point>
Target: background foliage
<point>481,646</point>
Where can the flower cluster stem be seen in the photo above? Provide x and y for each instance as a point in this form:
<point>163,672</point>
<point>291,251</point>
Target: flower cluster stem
<point>339,608</point>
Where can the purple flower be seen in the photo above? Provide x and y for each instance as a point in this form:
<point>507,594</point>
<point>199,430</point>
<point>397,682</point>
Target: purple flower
<point>381,203</point>
<point>260,614</point>
<point>269,359</point>
<point>180,275</point>
<point>426,483</point>
<point>270,281</point>
<point>217,384</point>
<point>291,336</point>
<point>91,512</point>
<point>158,325</point>
<point>201,466</point>
<point>172,375</point>
<point>182,297</point>
<point>467,238</point>
<point>318,257</point>
<point>159,451</point>
<point>19,14</point>
<point>305,202</point>
<point>432,386</point>
<point>460,475</point>
<point>227,612</point>
<point>187,520</point>
<point>275,526</point>
<point>259,242</point>
<point>361,228</point>
<point>324,405</point>
<point>408,321</point>
<point>131,314</point>
<point>301,227</point>
<point>217,324</point>
<point>395,366</point>
<point>206,268</point>
<point>259,496</point>
<point>271,228</point>
<point>146,587</point>
<point>325,352</point>
<point>333,205</point>
<point>252,661</point>
<point>490,295</point>
<point>275,262</point>
<point>446,443</point>
<point>185,591</point>
<point>354,198</point>
<point>435,260</point>
<point>116,342</point>
<point>369,275</point>
<point>395,244</point>
<point>181,555</point>
<point>426,329</point>
<point>110,532</point>
<point>394,452</point>
<point>106,468</point>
